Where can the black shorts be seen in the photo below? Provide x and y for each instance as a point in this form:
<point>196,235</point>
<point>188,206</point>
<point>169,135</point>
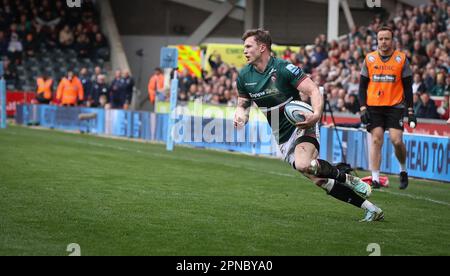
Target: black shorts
<point>386,117</point>
<point>42,100</point>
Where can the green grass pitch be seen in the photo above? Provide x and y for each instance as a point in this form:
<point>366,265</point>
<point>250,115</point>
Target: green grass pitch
<point>116,197</point>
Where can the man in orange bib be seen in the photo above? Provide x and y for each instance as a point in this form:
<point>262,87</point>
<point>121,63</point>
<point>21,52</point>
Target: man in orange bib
<point>385,91</point>
<point>70,90</point>
<point>44,89</point>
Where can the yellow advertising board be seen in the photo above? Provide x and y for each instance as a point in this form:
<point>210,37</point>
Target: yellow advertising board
<point>233,54</point>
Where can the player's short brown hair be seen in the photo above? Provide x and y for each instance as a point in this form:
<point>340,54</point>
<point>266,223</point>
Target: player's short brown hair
<point>386,28</point>
<point>261,37</point>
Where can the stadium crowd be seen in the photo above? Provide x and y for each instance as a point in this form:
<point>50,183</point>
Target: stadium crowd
<point>422,33</point>
<point>55,39</point>
<point>43,33</point>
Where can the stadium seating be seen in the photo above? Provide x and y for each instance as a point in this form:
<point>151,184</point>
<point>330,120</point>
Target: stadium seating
<point>52,60</point>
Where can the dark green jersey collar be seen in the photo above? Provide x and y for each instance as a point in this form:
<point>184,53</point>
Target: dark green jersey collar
<point>269,65</point>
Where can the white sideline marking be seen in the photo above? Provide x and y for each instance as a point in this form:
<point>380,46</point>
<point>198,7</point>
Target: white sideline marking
<point>251,169</point>
<point>417,197</point>
<point>179,158</point>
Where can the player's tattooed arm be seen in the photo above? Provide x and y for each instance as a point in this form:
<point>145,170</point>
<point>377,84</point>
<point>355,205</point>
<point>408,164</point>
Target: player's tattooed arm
<point>242,112</point>
<point>244,103</point>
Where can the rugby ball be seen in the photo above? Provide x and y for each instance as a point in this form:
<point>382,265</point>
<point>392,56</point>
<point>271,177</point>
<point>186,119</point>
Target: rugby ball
<point>293,111</point>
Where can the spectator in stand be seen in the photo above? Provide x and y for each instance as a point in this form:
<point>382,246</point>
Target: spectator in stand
<point>332,98</point>
<point>417,102</point>
<point>447,83</point>
<point>318,56</point>
<point>287,53</point>
<point>98,97</point>
<point>443,109</point>
<point>352,103</point>
<point>129,86</point>
<point>215,99</point>
<point>9,73</point>
<point>228,98</point>
<point>83,46</point>
<point>3,44</point>
<point>193,91</point>
<point>25,26</point>
<point>30,45</point>
<point>66,37</point>
<point>85,81</point>
<point>418,49</point>
<point>97,72</point>
<point>156,87</point>
<point>70,90</point>
<point>418,85</point>
<point>118,92</point>
<point>340,105</point>
<point>430,77</point>
<point>185,80</point>
<point>353,85</point>
<point>439,88</point>
<point>49,38</point>
<point>182,97</point>
<point>198,94</point>
<point>79,30</point>
<point>101,46</point>
<point>215,61</point>
<point>15,49</point>
<point>427,108</point>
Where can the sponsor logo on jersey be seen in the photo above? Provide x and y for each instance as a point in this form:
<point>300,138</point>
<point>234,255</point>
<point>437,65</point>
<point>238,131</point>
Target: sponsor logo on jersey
<point>274,78</point>
<point>398,59</point>
<point>251,83</point>
<point>293,69</point>
<point>384,78</point>
<point>371,58</point>
<point>384,67</point>
<point>265,93</point>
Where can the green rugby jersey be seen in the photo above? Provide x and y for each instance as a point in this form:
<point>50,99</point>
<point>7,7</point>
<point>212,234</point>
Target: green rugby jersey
<point>271,91</point>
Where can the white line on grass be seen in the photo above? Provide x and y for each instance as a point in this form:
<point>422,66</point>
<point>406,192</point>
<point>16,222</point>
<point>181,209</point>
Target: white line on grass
<point>249,168</point>
<point>416,197</point>
<point>181,158</point>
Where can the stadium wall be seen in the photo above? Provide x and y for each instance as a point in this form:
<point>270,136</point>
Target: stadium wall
<point>164,17</point>
<point>428,156</point>
<point>290,21</point>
